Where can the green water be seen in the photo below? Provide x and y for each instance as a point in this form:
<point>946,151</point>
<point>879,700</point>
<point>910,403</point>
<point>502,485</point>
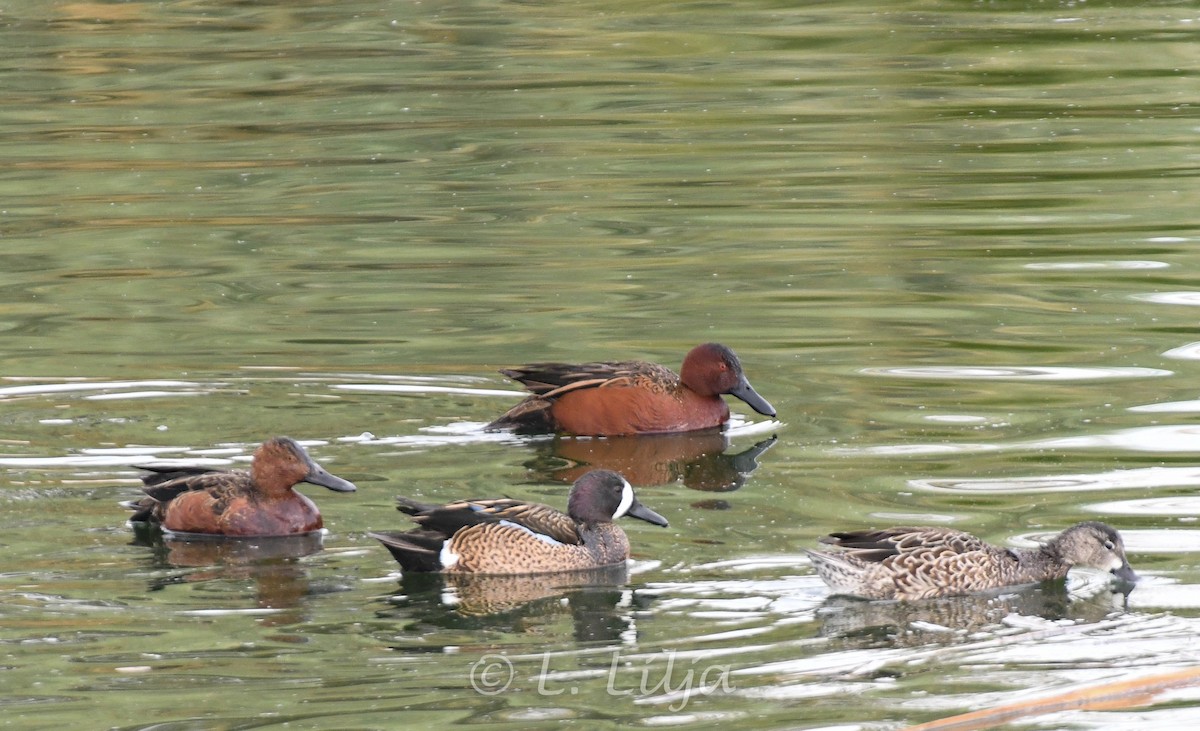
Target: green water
<point>954,244</point>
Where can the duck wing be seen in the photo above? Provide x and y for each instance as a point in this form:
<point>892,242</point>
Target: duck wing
<point>162,484</point>
<point>166,483</point>
<point>877,546</point>
<point>550,380</point>
<point>450,518</point>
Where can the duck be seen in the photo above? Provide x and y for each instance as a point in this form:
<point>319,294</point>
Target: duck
<point>909,563</point>
<point>259,502</point>
<point>508,536</point>
<point>630,397</point>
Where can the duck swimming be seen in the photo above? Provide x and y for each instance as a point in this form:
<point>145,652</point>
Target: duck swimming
<point>631,397</point>
<point>258,502</point>
<point>924,563</point>
<point>506,536</point>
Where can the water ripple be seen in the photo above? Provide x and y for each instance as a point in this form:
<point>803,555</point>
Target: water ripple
<point>1094,265</point>
<point>1085,482</point>
<point>1177,505</point>
<point>1123,641</point>
<point>1173,438</point>
<point>1191,351</point>
<point>442,435</point>
<point>143,388</point>
<point>1191,299</point>
<point>1160,595</point>
<point>218,456</point>
<point>1168,438</point>
<point>1168,407</point>
<point>1136,541</point>
<point>93,461</point>
<point>1025,373</point>
<point>422,389</point>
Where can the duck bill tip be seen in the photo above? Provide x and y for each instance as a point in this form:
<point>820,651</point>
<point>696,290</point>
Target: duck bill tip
<point>332,482</point>
<point>641,512</point>
<point>1126,574</point>
<point>746,393</point>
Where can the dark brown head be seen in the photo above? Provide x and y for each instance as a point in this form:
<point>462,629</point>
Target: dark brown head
<point>602,496</point>
<point>280,463</point>
<point>1095,545</point>
<point>712,369</point>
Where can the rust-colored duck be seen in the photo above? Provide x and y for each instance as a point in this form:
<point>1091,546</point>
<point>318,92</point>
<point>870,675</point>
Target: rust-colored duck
<point>258,502</point>
<point>631,397</point>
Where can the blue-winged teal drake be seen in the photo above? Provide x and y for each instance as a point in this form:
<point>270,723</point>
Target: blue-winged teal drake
<point>258,502</point>
<point>506,536</point>
<point>631,397</point>
<point>924,563</point>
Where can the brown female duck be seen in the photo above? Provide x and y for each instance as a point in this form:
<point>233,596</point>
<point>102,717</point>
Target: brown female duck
<point>924,563</point>
<point>260,502</point>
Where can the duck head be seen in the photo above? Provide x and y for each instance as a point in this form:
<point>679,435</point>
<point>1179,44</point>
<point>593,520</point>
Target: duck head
<point>1096,545</point>
<point>602,496</point>
<point>281,462</point>
<point>712,369</point>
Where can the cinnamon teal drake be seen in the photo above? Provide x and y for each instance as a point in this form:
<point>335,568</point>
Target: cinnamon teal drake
<point>924,563</point>
<point>631,397</point>
<point>258,502</point>
<point>506,536</point>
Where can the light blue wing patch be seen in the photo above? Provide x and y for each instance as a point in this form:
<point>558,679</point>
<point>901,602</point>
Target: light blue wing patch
<point>540,536</point>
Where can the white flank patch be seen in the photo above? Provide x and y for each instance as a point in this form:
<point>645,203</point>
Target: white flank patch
<point>540,536</point>
<point>626,500</point>
<point>447,557</point>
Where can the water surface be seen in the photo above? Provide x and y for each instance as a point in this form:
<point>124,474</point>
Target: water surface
<point>953,243</point>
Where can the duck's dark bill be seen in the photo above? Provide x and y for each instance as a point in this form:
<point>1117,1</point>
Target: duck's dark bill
<point>333,482</point>
<point>746,392</point>
<point>1126,574</point>
<point>637,510</point>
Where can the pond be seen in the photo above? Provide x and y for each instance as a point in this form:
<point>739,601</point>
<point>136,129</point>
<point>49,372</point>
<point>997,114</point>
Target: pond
<point>954,244</point>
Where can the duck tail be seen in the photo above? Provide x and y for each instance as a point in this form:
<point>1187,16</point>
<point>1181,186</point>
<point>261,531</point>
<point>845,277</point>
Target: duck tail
<point>411,507</point>
<point>143,510</point>
<point>531,416</point>
<point>841,575</point>
<point>415,551</point>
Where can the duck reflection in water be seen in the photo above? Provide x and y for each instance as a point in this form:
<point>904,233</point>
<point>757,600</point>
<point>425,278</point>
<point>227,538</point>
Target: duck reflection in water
<point>599,601</point>
<point>947,620</point>
<point>700,460</point>
<point>269,566</point>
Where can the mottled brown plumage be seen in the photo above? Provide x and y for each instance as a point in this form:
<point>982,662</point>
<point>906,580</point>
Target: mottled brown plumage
<point>258,502</point>
<point>631,397</point>
<point>506,536</point>
<point>923,563</point>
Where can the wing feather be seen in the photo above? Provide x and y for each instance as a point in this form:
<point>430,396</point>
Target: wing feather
<point>450,518</point>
